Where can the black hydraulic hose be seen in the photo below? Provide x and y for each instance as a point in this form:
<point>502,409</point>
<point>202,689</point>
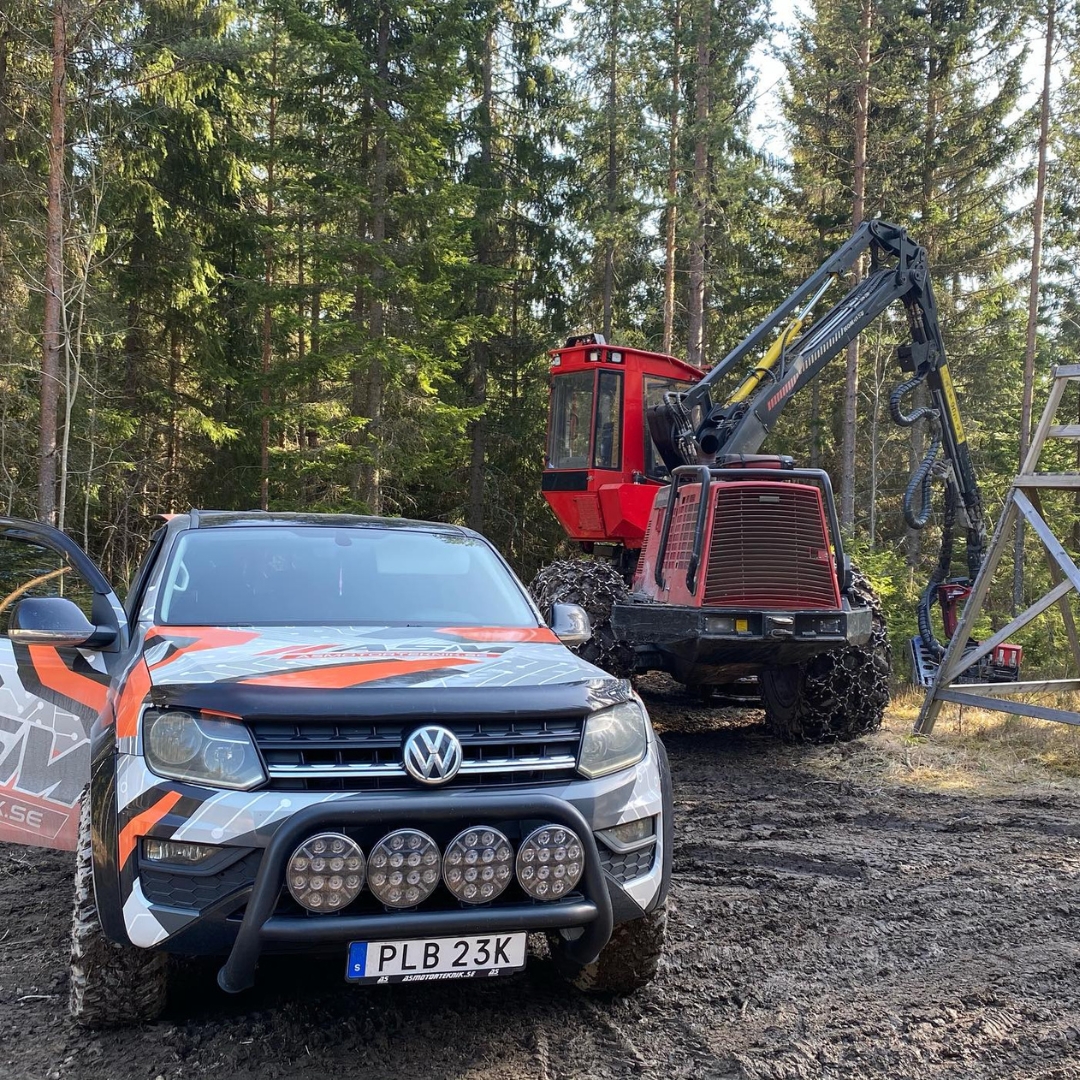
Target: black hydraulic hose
<point>920,482</point>
<point>921,477</point>
<point>941,572</point>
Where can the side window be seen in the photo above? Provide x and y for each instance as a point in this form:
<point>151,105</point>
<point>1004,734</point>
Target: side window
<point>29,570</point>
<point>608,448</point>
<point>571,420</point>
<point>655,389</point>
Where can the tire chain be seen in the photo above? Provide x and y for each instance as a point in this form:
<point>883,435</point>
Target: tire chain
<point>596,586</point>
<point>846,691</point>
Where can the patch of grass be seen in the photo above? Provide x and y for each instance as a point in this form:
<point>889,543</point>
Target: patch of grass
<point>971,750</point>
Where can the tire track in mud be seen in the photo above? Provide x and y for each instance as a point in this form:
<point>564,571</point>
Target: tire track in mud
<point>819,929</point>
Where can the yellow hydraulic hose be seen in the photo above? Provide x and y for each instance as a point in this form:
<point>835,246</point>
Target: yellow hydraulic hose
<point>776,349</point>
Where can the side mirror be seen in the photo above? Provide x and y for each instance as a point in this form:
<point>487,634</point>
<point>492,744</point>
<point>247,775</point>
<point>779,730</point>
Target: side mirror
<point>54,620</point>
<point>571,624</point>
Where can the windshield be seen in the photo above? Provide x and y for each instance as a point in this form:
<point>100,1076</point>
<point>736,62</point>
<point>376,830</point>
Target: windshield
<point>281,575</point>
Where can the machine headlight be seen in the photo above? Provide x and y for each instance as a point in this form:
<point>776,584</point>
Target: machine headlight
<point>181,746</point>
<point>614,739</point>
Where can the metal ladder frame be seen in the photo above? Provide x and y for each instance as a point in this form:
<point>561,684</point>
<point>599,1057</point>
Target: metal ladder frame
<point>1022,502</point>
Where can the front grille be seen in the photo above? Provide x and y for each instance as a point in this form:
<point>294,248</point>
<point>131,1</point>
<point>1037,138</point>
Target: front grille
<point>351,755</point>
<point>198,891</point>
<point>626,866</point>
<point>681,538</point>
<point>769,549</point>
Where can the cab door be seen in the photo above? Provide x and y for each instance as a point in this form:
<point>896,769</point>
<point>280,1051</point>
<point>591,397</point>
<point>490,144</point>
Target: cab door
<point>62,634</point>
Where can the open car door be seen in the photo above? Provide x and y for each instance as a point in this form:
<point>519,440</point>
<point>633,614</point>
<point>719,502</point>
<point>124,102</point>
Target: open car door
<point>62,633</point>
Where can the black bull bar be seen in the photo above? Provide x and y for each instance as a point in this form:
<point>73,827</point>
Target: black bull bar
<point>261,926</point>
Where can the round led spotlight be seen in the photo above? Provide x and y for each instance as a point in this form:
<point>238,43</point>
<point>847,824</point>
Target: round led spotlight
<point>478,864</point>
<point>550,862</point>
<point>403,869</point>
<point>326,872</point>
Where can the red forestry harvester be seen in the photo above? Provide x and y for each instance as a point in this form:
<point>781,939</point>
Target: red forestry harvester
<point>726,568</point>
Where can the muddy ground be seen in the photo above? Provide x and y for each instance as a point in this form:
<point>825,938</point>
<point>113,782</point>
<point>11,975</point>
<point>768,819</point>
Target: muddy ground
<point>821,928</point>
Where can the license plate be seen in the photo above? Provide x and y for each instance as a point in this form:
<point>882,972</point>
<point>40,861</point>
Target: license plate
<point>435,959</point>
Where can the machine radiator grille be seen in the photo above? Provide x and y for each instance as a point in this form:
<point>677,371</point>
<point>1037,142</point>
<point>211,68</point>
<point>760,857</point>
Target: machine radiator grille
<point>681,537</point>
<point>769,549</point>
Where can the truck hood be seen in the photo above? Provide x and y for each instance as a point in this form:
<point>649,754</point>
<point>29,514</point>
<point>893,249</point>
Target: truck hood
<point>333,658</point>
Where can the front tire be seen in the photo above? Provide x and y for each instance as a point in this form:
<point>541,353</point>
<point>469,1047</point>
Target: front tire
<point>596,586</point>
<point>111,984</point>
<point>629,961</point>
<point>838,695</point>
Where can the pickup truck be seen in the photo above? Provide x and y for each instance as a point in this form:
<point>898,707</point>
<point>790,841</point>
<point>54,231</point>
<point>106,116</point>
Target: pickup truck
<point>326,734</point>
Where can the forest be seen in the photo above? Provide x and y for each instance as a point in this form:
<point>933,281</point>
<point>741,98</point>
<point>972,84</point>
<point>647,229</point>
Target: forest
<point>312,254</point>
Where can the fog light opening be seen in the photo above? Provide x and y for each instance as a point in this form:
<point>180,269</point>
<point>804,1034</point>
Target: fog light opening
<point>326,872</point>
<point>403,869</point>
<point>550,862</point>
<point>478,864</point>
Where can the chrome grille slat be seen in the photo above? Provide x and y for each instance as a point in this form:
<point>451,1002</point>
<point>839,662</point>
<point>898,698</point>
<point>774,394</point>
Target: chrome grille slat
<point>346,754</point>
<point>495,765</point>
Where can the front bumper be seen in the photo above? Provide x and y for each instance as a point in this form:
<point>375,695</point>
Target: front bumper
<point>712,644</point>
<point>589,909</point>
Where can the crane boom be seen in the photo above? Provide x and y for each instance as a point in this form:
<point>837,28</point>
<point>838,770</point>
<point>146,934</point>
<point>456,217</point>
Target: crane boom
<point>693,428</point>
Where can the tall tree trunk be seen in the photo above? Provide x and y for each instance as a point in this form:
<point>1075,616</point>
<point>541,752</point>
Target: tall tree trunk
<point>372,472</point>
<point>934,74</point>
<point>485,233</point>
<point>54,271</point>
<point>1033,292</point>
<point>612,61</point>
<point>695,350</point>
<point>673,177</point>
<point>858,209</point>
<point>268,281</point>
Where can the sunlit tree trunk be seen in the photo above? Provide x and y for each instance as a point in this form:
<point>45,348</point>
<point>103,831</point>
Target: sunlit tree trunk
<point>695,351</point>
<point>54,271</point>
<point>1037,213</point>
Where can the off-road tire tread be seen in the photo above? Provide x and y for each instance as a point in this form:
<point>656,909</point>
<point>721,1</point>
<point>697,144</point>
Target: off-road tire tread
<point>596,586</point>
<point>110,984</point>
<point>629,961</point>
<point>842,694</point>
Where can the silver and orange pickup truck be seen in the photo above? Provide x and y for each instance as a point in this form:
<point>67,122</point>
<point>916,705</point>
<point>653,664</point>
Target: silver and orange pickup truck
<point>330,734</point>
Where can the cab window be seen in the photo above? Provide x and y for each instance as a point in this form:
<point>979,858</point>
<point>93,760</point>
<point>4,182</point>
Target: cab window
<point>607,451</point>
<point>571,420</point>
<point>655,388</point>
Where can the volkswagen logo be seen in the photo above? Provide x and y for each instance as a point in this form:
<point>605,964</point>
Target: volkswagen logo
<point>432,755</point>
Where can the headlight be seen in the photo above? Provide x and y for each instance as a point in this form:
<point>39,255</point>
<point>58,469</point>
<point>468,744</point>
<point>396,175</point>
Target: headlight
<point>614,739</point>
<point>181,746</point>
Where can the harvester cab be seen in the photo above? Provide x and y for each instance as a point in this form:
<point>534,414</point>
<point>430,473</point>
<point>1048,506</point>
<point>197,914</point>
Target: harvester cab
<point>602,469</point>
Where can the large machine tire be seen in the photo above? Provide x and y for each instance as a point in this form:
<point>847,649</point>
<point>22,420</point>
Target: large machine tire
<point>837,696</point>
<point>629,961</point>
<point>110,984</point>
<point>596,586</point>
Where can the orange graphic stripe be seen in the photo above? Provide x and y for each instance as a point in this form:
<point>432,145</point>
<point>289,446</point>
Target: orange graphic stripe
<point>136,688</point>
<point>204,638</point>
<point>502,633</point>
<point>139,824</point>
<point>342,675</point>
<point>53,673</point>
